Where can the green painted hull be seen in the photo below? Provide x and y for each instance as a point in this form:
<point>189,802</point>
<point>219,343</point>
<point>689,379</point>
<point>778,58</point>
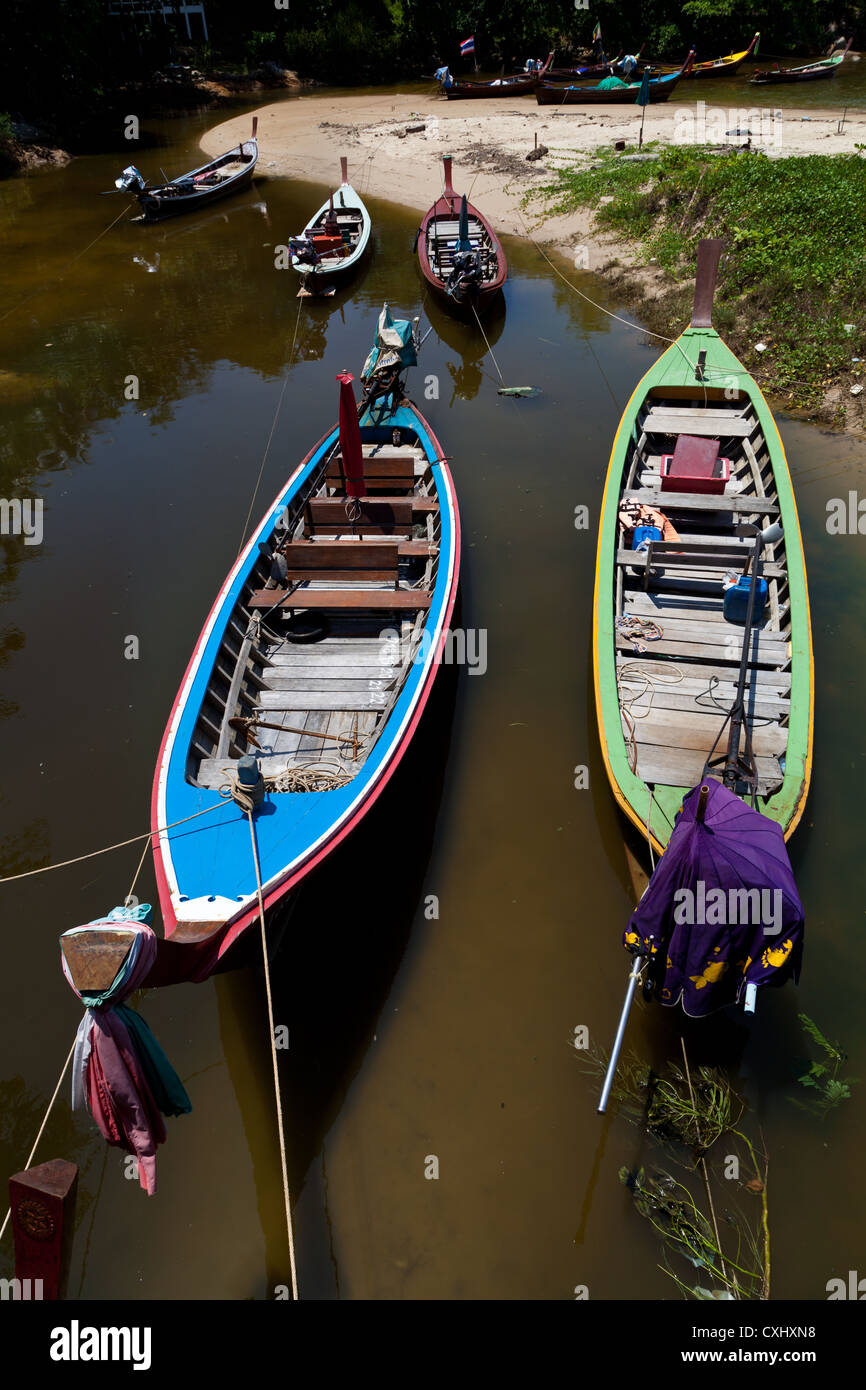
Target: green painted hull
<point>675,368</point>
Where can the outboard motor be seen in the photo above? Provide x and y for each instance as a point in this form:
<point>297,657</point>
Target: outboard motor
<point>130,181</point>
<point>466,271</point>
<point>303,249</point>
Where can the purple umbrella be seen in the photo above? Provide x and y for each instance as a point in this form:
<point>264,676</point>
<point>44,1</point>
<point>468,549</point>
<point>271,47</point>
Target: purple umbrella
<point>721,916</point>
<point>722,904</point>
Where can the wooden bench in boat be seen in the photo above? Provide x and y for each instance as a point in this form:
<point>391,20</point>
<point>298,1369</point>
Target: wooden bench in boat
<point>382,600</point>
<point>309,559</point>
<point>660,421</point>
<point>374,516</point>
<point>695,501</point>
<point>382,472</point>
<point>691,554</point>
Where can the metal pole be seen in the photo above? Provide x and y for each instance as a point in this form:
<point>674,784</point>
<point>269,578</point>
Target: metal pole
<point>633,980</point>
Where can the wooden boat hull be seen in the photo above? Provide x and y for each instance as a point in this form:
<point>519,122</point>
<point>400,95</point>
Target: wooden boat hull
<point>157,205</point>
<point>327,272</point>
<point>648,796</point>
<point>660,89</point>
<point>518,85</point>
<point>809,72</point>
<point>720,67</point>
<point>444,214</point>
<point>204,867</point>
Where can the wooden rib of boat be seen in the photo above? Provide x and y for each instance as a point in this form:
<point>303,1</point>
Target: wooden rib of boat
<point>659,89</point>
<point>191,192</point>
<point>520,84</point>
<point>318,658</point>
<point>334,241</point>
<point>666,659</point>
<point>468,271</point>
<point>719,67</point>
<point>810,72</point>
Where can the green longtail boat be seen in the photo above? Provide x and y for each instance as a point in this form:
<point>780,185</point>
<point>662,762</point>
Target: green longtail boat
<point>686,665</point>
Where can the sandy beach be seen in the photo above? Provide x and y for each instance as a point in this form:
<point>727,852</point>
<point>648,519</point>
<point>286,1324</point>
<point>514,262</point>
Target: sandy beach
<point>489,141</point>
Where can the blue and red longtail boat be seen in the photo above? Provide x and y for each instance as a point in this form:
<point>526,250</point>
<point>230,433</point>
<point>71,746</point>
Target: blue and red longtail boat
<point>313,668</point>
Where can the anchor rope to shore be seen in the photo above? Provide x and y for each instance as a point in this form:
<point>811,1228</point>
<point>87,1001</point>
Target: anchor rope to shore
<point>277,1097</point>
<point>63,1071</point>
<point>638,328</point>
<point>273,427</point>
<point>59,276</point>
<point>121,844</point>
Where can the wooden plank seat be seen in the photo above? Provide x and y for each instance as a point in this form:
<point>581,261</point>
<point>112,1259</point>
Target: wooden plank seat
<point>695,567</point>
<point>373,516</point>
<point>382,473</point>
<point>380,600</point>
<point>377,559</point>
<point>659,421</point>
<point>694,501</point>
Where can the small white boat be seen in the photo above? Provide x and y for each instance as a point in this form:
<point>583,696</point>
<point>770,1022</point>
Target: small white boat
<point>334,240</point>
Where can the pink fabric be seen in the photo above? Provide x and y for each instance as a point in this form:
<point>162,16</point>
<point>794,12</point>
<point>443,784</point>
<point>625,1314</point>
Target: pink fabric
<point>118,1096</point>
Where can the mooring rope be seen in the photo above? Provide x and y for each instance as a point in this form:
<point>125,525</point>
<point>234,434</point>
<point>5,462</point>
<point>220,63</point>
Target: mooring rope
<point>59,276</point>
<point>487,343</point>
<point>273,427</point>
<point>277,1097</point>
<point>121,844</point>
<point>63,1072</point>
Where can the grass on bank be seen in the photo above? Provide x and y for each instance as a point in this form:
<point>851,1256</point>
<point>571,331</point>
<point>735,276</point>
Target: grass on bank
<point>795,272</point>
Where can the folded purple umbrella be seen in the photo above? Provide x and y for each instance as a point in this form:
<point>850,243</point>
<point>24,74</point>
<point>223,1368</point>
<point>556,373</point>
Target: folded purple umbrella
<point>722,905</point>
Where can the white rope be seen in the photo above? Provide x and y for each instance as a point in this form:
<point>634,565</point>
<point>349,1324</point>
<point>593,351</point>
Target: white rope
<point>277,1096</point>
<point>42,1126</point>
<point>121,844</point>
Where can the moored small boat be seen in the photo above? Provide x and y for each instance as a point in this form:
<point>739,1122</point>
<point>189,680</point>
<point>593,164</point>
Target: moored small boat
<point>613,65</point>
<point>458,251</point>
<point>518,84</point>
<point>228,173</point>
<point>310,675</point>
<point>821,69</point>
<point>334,240</point>
<point>720,67</point>
<point>611,91</point>
<point>697,455</point>
<point>703,674</point>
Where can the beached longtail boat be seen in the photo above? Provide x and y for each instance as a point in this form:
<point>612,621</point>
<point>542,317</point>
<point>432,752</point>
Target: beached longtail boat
<point>611,91</point>
<point>520,84</point>
<point>612,65</point>
<point>720,67</point>
<point>334,241</point>
<point>458,251</point>
<point>703,661</point>
<point>191,192</point>
<point>810,72</point>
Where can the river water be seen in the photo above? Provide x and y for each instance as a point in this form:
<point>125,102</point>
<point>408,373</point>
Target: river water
<point>417,1029</point>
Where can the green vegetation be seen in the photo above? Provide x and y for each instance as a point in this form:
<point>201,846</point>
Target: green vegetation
<point>823,1076</point>
<point>795,271</point>
<point>63,63</point>
<point>689,1112</point>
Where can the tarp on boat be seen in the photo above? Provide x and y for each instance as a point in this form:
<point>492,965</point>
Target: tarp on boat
<point>609,84</point>
<point>722,909</point>
<point>394,345</point>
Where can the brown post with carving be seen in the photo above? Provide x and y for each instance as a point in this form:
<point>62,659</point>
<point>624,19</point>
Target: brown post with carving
<point>42,1200</point>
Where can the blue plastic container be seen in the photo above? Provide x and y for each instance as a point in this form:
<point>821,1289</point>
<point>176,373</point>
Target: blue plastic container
<point>643,535</point>
<point>737,600</point>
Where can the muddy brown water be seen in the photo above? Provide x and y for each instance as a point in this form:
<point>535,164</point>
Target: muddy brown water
<point>417,1030</point>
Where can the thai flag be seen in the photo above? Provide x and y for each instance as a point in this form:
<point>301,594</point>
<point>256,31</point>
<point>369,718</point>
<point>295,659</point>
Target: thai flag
<point>467,46</point>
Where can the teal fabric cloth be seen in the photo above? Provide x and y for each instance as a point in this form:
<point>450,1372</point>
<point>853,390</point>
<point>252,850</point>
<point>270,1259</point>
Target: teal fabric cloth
<point>608,84</point>
<point>167,1087</point>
